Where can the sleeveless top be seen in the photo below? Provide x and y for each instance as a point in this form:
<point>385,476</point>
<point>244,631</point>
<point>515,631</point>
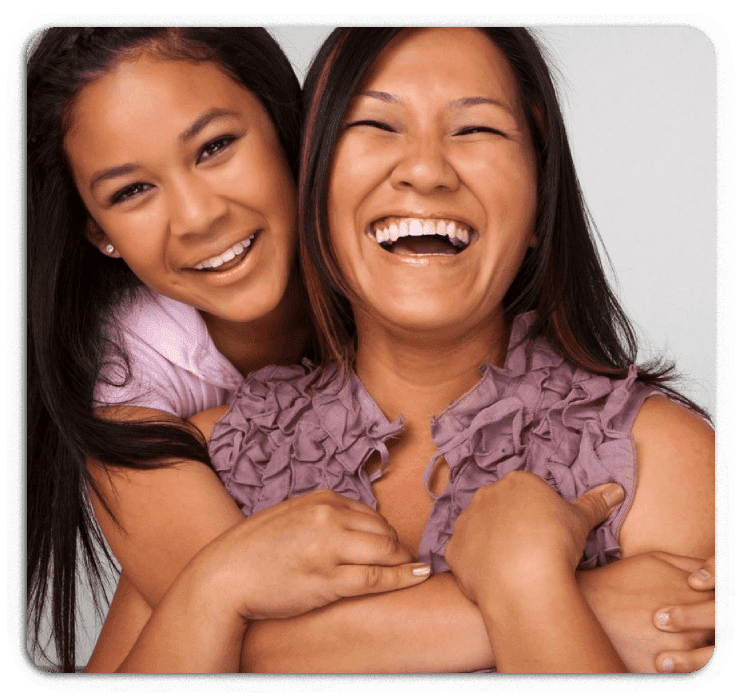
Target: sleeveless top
<point>294,430</point>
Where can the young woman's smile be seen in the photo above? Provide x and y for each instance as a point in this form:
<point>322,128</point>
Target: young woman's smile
<point>433,189</point>
<point>182,172</point>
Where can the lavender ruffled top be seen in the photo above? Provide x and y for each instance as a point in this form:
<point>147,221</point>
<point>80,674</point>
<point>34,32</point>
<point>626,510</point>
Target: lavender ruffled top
<point>293,430</point>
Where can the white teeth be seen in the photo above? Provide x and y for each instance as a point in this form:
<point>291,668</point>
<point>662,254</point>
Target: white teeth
<point>456,233</point>
<point>226,256</point>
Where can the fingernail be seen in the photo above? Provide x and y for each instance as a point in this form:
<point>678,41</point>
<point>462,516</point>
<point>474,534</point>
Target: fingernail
<point>668,664</point>
<point>701,575</point>
<point>663,618</point>
<point>423,570</point>
<point>613,495</point>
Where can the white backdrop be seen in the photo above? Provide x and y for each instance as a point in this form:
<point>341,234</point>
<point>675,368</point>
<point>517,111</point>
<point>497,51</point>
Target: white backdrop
<point>640,106</point>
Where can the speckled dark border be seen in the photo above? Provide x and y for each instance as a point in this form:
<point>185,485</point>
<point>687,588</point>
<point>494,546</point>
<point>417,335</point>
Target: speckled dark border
<point>382,683</point>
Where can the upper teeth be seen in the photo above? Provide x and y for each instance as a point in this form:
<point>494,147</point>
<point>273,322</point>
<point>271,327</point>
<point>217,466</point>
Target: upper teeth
<point>388,230</point>
<point>226,256</point>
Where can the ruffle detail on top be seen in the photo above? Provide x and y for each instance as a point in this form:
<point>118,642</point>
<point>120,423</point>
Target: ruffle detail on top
<point>537,414</point>
<point>294,430</point>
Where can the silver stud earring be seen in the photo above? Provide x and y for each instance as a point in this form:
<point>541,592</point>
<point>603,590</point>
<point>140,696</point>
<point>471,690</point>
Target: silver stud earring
<point>110,249</point>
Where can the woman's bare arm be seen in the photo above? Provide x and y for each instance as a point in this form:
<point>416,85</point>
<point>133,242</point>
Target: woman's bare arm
<point>673,507</point>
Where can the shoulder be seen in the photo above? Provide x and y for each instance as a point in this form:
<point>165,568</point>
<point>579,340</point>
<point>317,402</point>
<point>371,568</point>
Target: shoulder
<point>662,417</point>
<point>673,508</point>
<point>205,420</point>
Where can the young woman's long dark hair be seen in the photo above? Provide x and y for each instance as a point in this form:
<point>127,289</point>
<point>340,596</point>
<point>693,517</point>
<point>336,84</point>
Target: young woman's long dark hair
<point>71,289</point>
<point>561,279</point>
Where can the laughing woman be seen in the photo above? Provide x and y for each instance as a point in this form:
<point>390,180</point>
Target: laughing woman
<point>463,354</point>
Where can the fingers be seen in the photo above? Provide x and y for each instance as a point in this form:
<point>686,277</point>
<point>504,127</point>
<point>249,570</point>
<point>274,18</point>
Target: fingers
<point>683,661</point>
<point>704,578</point>
<point>354,547</point>
<point>679,618</point>
<point>362,580</point>
<point>598,503</point>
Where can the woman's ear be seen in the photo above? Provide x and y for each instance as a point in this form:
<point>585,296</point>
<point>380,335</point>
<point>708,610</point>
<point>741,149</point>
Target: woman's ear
<point>98,238</point>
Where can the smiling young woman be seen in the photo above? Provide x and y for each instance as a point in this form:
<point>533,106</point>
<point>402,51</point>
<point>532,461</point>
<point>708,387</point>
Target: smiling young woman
<point>162,268</point>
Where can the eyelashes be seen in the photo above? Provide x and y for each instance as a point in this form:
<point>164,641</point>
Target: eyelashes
<point>479,130</point>
<point>465,131</point>
<point>128,192</point>
<point>372,123</point>
<point>216,146</point>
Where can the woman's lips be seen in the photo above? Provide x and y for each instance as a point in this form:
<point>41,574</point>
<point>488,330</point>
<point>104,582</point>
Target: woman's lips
<point>234,254</point>
<point>422,236</point>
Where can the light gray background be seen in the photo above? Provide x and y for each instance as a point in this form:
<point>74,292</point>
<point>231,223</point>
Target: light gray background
<point>640,104</point>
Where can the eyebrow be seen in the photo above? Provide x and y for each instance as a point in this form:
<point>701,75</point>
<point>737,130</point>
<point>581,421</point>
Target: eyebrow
<point>203,121</point>
<point>379,95</point>
<point>474,101</point>
<point>192,131</point>
<point>460,103</point>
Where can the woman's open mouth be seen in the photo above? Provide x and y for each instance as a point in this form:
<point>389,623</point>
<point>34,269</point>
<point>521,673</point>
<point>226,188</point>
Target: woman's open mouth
<point>228,259</point>
<point>416,236</point>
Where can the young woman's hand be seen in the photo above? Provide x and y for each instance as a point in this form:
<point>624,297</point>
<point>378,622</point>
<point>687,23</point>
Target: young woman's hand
<point>520,527</point>
<point>294,557</point>
<point>626,594</point>
<point>304,553</point>
<point>696,618</point>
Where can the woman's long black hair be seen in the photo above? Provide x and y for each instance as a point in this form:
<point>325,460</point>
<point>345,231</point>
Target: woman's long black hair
<point>561,279</point>
<point>72,288</point>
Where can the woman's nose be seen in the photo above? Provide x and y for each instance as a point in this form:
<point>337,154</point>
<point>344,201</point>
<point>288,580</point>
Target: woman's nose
<point>425,167</point>
<point>195,207</point>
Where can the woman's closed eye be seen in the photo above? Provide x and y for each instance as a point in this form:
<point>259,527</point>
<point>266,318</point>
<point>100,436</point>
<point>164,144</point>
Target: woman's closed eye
<point>478,129</point>
<point>215,147</point>
<point>372,123</point>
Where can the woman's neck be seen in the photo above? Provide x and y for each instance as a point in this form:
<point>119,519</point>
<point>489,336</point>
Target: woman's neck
<point>279,338</point>
<point>420,375</point>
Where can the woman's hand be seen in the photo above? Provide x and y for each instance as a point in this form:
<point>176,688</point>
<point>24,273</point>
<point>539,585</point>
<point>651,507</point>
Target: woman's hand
<point>514,551</point>
<point>625,595</point>
<point>695,617</point>
<point>304,553</point>
<point>293,557</point>
<point>520,527</point>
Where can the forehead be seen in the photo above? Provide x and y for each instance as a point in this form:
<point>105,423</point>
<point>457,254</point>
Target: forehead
<point>444,58</point>
<point>147,88</point>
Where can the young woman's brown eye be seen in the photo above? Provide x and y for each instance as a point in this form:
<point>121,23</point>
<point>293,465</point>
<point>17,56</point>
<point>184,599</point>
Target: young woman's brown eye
<point>215,146</point>
<point>129,192</point>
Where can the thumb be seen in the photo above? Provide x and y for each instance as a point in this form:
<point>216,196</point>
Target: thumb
<point>598,503</point>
